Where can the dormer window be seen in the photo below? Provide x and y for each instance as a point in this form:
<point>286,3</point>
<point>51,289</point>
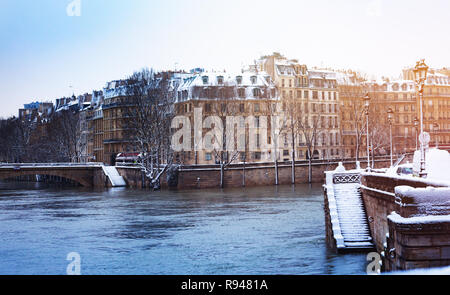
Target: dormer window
<point>205,79</point>
<point>239,80</point>
<point>219,79</point>
<point>253,79</point>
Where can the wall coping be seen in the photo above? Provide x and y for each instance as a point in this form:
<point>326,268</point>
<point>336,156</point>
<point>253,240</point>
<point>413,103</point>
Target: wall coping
<point>430,182</point>
<point>420,224</point>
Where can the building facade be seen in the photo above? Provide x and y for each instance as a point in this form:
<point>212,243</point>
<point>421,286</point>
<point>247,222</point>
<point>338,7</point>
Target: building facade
<point>314,94</point>
<point>245,97</point>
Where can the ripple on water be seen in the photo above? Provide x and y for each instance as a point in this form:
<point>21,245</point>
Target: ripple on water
<point>266,230</point>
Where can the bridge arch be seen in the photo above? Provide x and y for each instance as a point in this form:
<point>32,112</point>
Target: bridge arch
<point>84,181</point>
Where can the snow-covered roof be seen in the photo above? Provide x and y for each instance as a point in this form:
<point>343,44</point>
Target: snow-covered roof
<point>437,79</point>
<point>321,74</point>
<point>242,80</point>
<point>399,85</point>
<point>209,79</point>
<point>285,70</point>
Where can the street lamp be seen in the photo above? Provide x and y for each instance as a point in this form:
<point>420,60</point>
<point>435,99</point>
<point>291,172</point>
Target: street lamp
<point>416,126</point>
<point>420,76</point>
<point>435,129</point>
<point>390,115</point>
<point>366,110</point>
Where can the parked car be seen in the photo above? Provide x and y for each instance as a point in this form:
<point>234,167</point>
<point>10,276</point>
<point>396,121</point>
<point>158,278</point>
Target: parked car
<point>405,169</point>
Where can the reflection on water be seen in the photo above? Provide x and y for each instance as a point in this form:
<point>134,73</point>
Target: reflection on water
<point>265,230</point>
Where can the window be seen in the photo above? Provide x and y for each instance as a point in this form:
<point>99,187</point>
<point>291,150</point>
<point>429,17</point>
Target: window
<point>253,79</point>
<point>241,108</point>
<point>315,95</point>
<point>256,107</point>
<point>221,93</point>
<point>239,80</point>
<point>219,79</point>
<point>241,92</point>
<point>205,79</point>
<point>256,92</point>
<point>257,155</point>
<point>208,157</point>
<point>306,94</point>
<point>208,107</point>
<point>299,94</point>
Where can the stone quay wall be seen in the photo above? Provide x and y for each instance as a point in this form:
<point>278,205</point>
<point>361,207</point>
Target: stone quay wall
<point>410,232</point>
<point>256,174</point>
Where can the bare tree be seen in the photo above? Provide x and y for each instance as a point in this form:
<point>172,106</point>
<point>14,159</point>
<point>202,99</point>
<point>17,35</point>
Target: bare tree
<point>222,155</point>
<point>359,121</point>
<point>64,131</point>
<point>309,127</point>
<point>290,123</point>
<point>148,122</point>
<point>271,109</point>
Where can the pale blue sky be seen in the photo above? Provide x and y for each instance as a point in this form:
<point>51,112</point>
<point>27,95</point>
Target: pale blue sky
<point>43,50</point>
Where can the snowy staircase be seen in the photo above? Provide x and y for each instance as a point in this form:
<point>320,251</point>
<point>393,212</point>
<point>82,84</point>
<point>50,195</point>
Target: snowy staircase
<point>114,176</point>
<point>352,216</point>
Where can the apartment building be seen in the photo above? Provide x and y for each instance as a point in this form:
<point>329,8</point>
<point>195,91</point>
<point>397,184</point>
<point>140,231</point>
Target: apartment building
<point>436,105</point>
<point>316,92</point>
<point>400,97</point>
<point>248,96</point>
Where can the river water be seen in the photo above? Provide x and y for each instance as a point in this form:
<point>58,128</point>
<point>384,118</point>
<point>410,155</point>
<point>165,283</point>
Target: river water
<point>263,230</point>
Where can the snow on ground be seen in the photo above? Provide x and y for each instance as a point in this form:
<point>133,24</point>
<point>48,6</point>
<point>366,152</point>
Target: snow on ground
<point>422,271</point>
<point>437,164</point>
<point>427,219</point>
<point>437,195</point>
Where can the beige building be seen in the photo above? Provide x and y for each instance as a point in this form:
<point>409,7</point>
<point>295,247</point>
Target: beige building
<point>315,91</point>
<point>246,97</point>
<point>436,105</point>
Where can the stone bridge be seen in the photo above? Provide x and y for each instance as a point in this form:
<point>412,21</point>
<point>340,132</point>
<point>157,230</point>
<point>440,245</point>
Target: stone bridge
<point>86,174</point>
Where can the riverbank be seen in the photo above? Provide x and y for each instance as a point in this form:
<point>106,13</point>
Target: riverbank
<point>239,175</point>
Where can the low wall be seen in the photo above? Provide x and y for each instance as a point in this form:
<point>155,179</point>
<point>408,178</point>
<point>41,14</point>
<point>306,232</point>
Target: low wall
<point>397,221</point>
<point>256,174</point>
